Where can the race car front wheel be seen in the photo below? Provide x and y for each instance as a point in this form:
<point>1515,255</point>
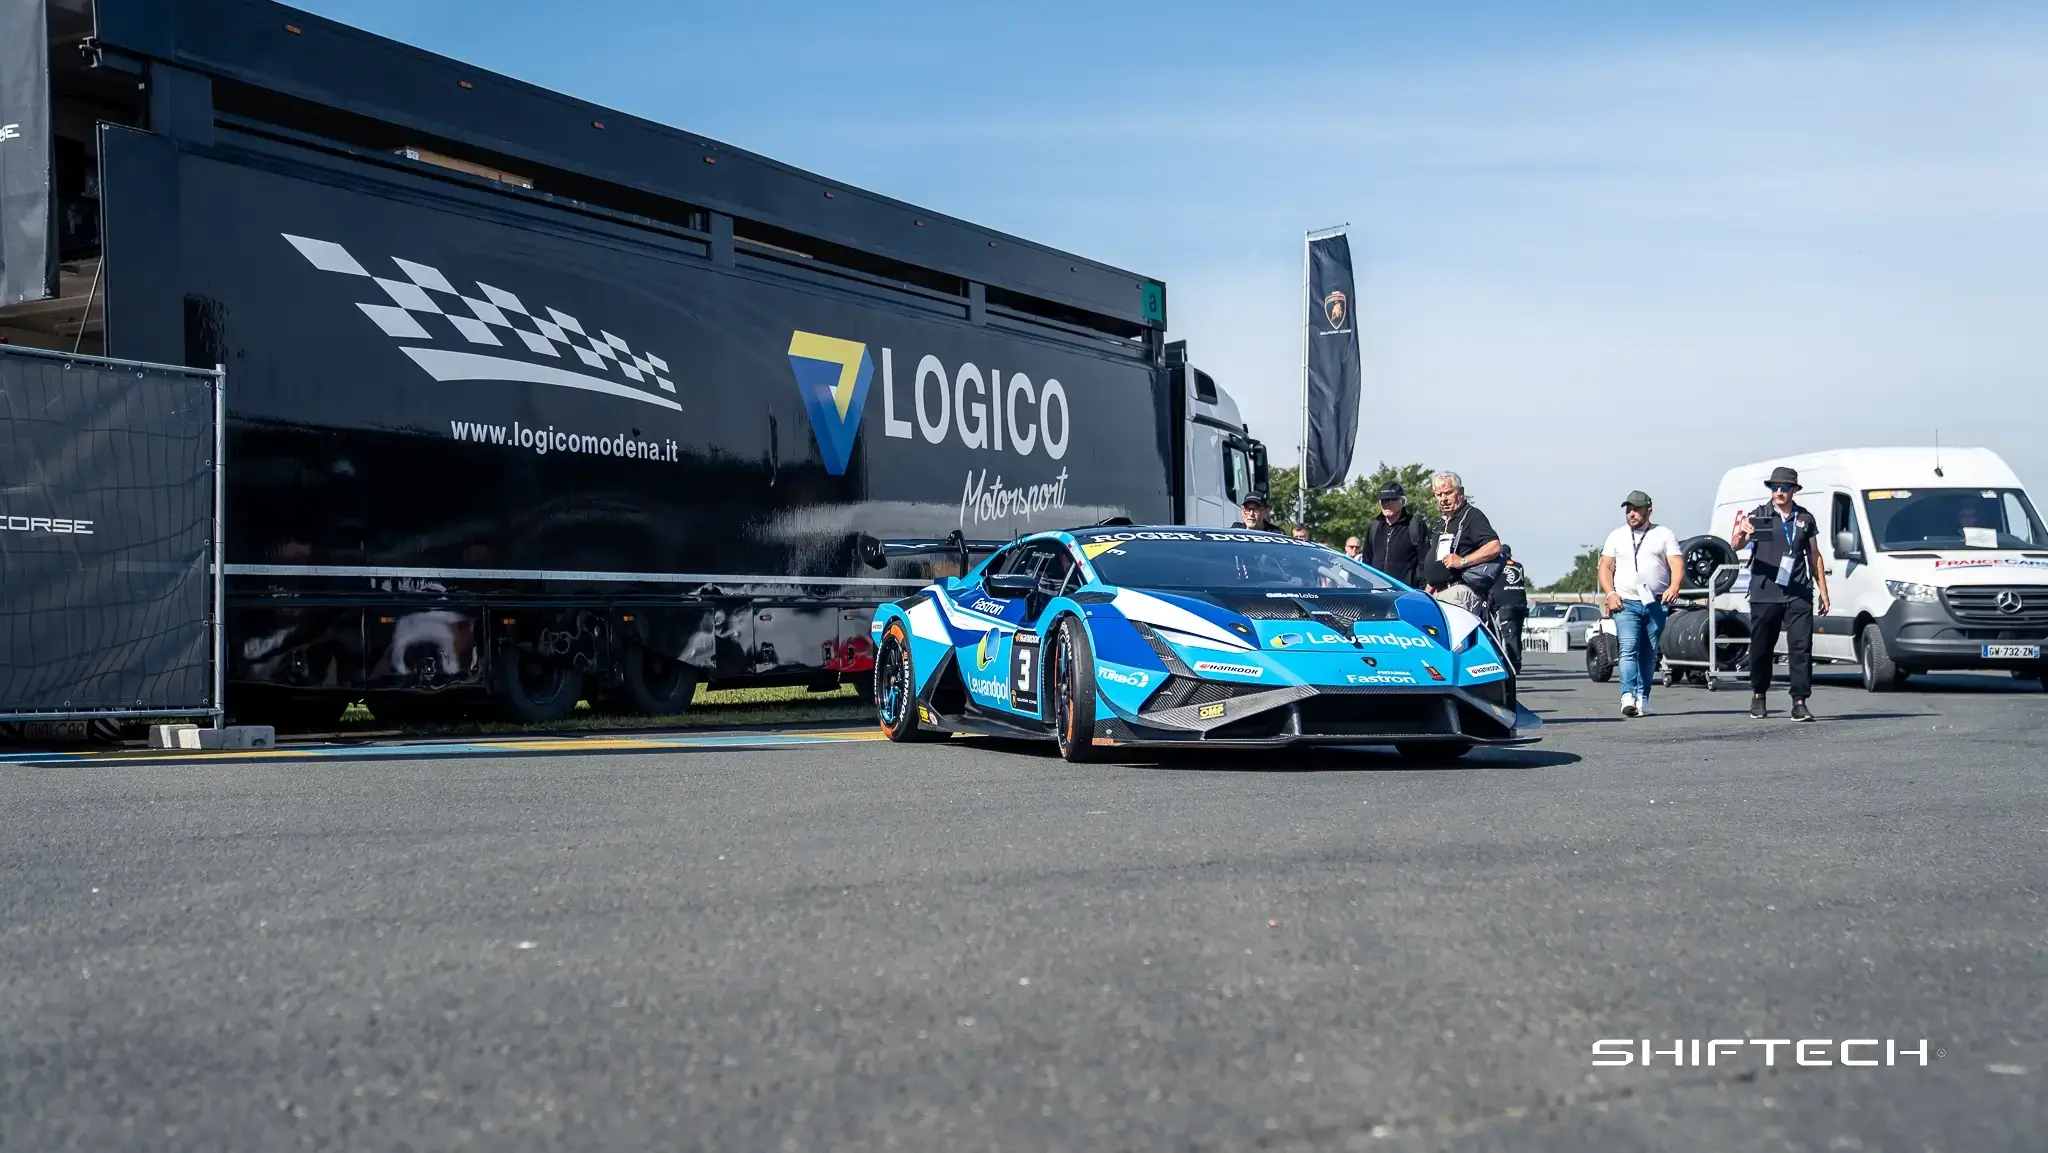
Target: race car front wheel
<point>896,691</point>
<point>1073,694</point>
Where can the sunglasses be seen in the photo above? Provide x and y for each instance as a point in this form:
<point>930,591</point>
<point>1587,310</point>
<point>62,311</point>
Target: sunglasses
<point>1784,488</point>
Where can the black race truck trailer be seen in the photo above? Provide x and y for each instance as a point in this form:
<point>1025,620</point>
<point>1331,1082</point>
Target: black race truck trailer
<point>530,401</point>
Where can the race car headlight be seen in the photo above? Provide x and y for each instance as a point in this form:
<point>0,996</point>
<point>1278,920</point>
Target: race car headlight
<point>1917,593</point>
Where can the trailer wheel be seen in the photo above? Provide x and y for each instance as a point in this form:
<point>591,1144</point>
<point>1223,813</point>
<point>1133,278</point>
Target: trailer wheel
<point>658,685</point>
<point>1599,664</point>
<point>533,691</point>
<point>896,691</point>
<point>1073,694</point>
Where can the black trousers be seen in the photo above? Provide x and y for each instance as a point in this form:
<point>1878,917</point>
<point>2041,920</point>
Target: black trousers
<point>1767,619</point>
<point>1507,622</point>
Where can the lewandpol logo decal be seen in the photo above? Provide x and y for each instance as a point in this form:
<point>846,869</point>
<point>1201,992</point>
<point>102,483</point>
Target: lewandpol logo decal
<point>832,375</point>
<point>423,294</point>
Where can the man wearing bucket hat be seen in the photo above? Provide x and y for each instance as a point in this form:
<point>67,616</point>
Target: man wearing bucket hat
<point>1787,581</point>
<point>1641,571</point>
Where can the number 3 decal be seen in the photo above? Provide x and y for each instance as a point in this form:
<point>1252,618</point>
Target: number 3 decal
<point>1024,671</point>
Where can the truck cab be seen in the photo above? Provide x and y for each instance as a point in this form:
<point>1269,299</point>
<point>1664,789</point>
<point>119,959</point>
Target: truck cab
<point>1936,559</point>
<point>1220,462</point>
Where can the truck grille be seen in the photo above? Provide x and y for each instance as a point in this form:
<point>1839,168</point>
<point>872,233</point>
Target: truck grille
<point>1986,604</point>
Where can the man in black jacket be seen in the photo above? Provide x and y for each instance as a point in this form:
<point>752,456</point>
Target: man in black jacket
<point>1511,606</point>
<point>1399,541</point>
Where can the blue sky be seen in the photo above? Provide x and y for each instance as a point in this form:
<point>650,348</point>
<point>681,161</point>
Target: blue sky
<point>1601,246</point>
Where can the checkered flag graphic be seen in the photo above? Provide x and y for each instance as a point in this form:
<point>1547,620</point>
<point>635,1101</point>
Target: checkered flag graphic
<point>423,292</point>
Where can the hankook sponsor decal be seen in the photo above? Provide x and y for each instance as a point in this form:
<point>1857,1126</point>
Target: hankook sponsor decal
<point>1230,669</point>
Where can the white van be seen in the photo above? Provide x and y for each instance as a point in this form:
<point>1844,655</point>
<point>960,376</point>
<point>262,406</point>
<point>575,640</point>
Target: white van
<point>1936,559</point>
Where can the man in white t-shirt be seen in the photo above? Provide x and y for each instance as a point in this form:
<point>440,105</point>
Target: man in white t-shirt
<point>1641,571</point>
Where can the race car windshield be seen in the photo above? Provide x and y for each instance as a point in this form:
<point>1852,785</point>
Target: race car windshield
<point>1217,563</point>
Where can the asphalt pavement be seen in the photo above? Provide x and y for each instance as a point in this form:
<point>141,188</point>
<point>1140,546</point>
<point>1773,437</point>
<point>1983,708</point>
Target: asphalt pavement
<point>973,946</point>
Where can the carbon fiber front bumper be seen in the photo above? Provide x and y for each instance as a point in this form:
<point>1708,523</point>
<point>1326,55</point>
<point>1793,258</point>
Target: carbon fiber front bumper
<point>1251,717</point>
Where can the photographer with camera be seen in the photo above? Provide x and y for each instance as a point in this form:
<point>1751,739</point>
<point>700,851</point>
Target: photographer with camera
<point>1787,579</point>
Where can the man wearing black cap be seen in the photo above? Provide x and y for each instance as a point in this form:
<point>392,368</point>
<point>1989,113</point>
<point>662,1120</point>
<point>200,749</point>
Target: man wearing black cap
<point>1786,582</point>
<point>1257,514</point>
<point>1640,591</point>
<point>1398,541</point>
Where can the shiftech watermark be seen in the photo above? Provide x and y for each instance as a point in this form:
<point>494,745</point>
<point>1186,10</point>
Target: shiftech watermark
<point>1811,1053</point>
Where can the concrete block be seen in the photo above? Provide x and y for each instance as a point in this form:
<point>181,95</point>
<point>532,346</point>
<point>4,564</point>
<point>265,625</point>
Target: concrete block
<point>239,737</point>
<point>174,737</point>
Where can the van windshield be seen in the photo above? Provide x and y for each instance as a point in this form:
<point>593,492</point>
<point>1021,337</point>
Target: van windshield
<point>1946,518</point>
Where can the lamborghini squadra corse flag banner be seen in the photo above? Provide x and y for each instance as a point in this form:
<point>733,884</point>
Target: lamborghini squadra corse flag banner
<point>28,264</point>
<point>1333,382</point>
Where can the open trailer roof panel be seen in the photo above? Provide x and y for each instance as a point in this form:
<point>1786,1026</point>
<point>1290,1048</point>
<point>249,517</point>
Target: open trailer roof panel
<point>422,99</point>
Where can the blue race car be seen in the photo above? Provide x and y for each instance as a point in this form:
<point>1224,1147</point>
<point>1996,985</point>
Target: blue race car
<point>1172,637</point>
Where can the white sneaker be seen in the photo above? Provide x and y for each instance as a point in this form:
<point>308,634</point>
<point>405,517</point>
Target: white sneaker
<point>1643,707</point>
<point>1628,705</point>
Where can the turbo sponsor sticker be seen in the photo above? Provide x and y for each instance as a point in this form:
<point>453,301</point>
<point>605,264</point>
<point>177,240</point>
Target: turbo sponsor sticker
<point>1136,680</point>
<point>1229,669</point>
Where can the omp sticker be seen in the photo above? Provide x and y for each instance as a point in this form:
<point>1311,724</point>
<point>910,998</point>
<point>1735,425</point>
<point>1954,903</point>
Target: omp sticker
<point>1209,712</point>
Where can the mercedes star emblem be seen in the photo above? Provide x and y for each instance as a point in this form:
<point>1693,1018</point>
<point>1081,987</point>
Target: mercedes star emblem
<point>2009,602</point>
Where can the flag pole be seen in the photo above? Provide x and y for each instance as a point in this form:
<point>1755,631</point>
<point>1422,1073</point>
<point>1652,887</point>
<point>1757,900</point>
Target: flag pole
<point>1307,327</point>
<point>1301,478</point>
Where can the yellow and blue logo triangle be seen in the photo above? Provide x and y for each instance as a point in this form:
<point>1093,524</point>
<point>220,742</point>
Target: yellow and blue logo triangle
<point>832,375</point>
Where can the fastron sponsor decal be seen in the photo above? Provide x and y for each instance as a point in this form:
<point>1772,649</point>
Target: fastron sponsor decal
<point>1389,677</point>
<point>1229,669</point>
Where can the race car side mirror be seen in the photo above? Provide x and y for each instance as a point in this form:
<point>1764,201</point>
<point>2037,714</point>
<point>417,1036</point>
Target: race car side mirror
<point>1011,585</point>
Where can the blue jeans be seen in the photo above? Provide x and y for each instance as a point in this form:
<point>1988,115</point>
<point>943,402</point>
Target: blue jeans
<point>1640,628</point>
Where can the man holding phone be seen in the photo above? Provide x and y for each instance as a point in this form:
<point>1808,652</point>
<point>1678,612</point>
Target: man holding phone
<point>1641,571</point>
<point>1787,580</point>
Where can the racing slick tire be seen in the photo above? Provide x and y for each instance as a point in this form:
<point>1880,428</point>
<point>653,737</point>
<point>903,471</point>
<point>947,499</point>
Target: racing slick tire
<point>1433,751</point>
<point>1599,662</point>
<point>1071,677</point>
<point>658,685</point>
<point>895,693</point>
<point>1880,673</point>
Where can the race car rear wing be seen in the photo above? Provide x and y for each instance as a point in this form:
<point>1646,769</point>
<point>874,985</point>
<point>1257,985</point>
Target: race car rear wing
<point>878,554</point>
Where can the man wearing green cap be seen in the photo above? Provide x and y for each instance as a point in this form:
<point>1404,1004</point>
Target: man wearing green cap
<point>1641,571</point>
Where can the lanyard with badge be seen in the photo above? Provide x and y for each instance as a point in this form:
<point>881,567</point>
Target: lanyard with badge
<point>1446,539</point>
<point>1635,543</point>
<point>1787,563</point>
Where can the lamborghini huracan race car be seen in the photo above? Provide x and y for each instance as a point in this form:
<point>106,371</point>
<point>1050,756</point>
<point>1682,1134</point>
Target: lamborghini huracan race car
<point>1185,637</point>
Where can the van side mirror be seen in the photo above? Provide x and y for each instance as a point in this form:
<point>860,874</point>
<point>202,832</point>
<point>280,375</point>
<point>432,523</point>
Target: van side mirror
<point>1846,547</point>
